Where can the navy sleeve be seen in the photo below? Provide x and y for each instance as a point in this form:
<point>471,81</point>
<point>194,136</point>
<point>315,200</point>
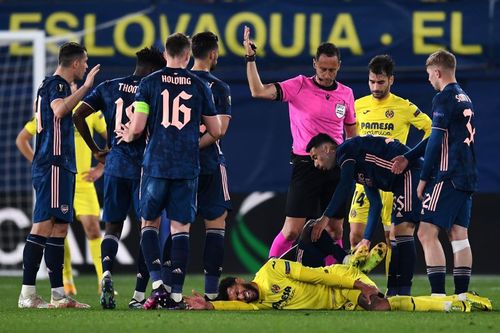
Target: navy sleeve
<point>431,153</point>
<point>209,106</point>
<point>57,89</point>
<point>343,191</point>
<point>373,196</point>
<point>223,100</point>
<point>417,151</point>
<point>95,99</point>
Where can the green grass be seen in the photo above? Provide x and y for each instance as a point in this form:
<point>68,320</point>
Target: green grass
<point>123,320</point>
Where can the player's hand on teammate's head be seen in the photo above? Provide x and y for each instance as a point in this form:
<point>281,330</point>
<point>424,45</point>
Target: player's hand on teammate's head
<point>399,164</point>
<point>250,47</point>
<point>89,80</point>
<point>318,227</point>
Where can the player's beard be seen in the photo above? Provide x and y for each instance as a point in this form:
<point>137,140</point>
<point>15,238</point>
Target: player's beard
<point>251,293</point>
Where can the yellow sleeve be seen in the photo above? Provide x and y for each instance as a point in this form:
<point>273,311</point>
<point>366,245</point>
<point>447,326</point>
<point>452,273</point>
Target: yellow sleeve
<point>30,126</point>
<point>233,306</point>
<point>421,121</point>
<point>100,123</point>
<point>328,276</point>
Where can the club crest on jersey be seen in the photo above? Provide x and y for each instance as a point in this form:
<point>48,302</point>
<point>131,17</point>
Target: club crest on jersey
<point>60,87</point>
<point>389,114</point>
<point>340,110</point>
<point>64,209</point>
<point>275,289</point>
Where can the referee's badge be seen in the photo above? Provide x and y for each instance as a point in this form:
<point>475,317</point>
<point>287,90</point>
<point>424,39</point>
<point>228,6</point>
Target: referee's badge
<point>340,110</point>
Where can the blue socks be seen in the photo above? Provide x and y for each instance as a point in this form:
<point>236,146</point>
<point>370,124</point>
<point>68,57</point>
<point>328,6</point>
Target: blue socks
<point>407,257</point>
<point>32,256</point>
<point>151,250</point>
<point>179,255</point>
<point>392,277</point>
<point>461,277</point>
<point>54,259</point>
<point>213,257</point>
<point>142,278</point>
<point>436,276</point>
<point>109,248</point>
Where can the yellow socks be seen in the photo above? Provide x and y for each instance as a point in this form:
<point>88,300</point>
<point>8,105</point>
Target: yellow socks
<point>95,252</point>
<point>424,304</point>
<point>67,271</point>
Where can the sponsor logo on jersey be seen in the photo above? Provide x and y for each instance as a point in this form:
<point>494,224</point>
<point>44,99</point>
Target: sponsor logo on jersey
<point>340,110</point>
<point>64,209</point>
<point>377,126</point>
<point>287,294</point>
<point>389,114</point>
<point>366,111</point>
<point>275,289</point>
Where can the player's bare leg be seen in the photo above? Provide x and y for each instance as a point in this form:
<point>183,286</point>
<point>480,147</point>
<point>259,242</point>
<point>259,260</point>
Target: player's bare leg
<point>434,257</point>
<point>213,256</point>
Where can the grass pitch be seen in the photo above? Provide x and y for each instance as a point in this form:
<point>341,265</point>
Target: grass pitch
<point>122,320</point>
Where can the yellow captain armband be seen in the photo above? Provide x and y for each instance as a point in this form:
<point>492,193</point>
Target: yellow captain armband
<point>141,107</point>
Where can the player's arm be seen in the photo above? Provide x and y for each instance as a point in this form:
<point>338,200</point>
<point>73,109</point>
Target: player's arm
<point>23,143</point>
<point>62,106</point>
<point>207,139</point>
<point>374,211</point>
<point>198,302</point>
<point>138,123</point>
<point>350,125</point>
<point>421,121</point>
<point>351,130</point>
<point>257,88</point>
<point>83,111</point>
<point>338,201</point>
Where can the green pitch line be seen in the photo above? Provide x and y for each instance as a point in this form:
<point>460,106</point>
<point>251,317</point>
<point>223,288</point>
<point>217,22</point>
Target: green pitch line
<point>123,320</point>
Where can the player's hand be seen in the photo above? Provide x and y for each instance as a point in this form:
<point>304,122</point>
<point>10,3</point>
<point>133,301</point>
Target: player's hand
<point>122,133</point>
<point>101,155</point>
<point>399,164</point>
<point>94,173</point>
<point>364,241</point>
<point>89,81</point>
<point>421,189</point>
<point>366,290</point>
<point>248,43</point>
<point>197,302</point>
<point>318,227</point>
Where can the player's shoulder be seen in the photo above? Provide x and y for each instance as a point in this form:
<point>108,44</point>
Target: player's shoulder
<point>403,104</point>
<point>342,88</point>
<point>363,101</point>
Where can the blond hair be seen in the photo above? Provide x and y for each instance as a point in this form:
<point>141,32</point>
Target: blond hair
<point>443,59</point>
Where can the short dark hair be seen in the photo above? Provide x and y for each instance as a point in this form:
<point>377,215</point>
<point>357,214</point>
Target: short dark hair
<point>223,285</point>
<point>177,44</point>
<point>328,49</point>
<point>151,56</point>
<point>203,43</point>
<point>69,52</point>
<point>318,140</point>
<point>382,64</point>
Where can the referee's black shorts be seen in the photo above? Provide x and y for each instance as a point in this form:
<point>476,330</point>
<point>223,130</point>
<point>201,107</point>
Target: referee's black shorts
<point>310,189</point>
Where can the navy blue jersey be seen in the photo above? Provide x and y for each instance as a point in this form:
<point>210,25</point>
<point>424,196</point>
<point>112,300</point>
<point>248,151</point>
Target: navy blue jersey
<point>453,117</point>
<point>366,160</point>
<point>55,139</point>
<point>212,156</point>
<point>372,159</point>
<point>177,99</point>
<point>115,99</point>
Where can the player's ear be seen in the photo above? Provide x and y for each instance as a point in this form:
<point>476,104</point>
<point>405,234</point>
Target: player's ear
<point>391,80</point>
<point>314,63</point>
<point>165,55</point>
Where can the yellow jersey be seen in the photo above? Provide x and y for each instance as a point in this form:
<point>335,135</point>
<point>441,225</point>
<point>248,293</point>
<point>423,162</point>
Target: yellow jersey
<point>390,117</point>
<point>289,285</point>
<point>83,154</point>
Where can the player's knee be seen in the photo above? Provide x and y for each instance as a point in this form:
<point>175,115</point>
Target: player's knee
<point>290,234</point>
<point>114,229</point>
<point>459,245</point>
<point>424,236</point>
<point>377,303</point>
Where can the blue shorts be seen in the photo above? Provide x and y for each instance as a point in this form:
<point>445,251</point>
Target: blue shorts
<point>120,194</point>
<point>445,206</point>
<point>406,205</point>
<point>213,194</point>
<point>54,193</point>
<point>177,196</point>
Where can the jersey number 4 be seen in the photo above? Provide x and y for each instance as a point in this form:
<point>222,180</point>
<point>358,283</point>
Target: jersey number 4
<point>177,109</point>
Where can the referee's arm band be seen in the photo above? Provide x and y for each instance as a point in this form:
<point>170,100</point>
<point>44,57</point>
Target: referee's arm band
<point>141,107</point>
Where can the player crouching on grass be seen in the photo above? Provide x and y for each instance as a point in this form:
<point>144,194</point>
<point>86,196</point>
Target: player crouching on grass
<point>286,285</point>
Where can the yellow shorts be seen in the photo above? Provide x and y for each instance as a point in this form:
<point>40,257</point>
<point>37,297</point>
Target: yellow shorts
<point>86,202</point>
<point>347,299</point>
<point>360,206</point>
